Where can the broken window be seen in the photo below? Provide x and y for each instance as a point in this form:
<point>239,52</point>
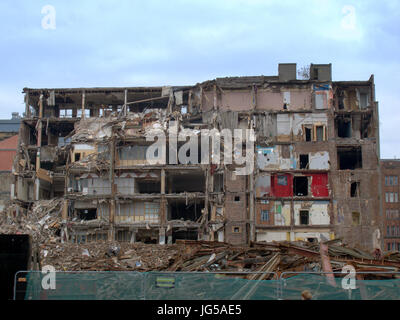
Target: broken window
<point>349,158</point>
<point>236,229</point>
<point>315,74</point>
<point>341,97</point>
<point>300,186</point>
<point>186,182</point>
<point>77,157</point>
<point>136,152</point>
<point>282,181</point>
<point>148,186</point>
<point>343,127</point>
<point>364,100</point>
<point>124,235</point>
<point>355,218</point>
<point>184,234</point>
<point>304,161</point>
<point>308,134</point>
<point>319,133</point>
<point>87,214</point>
<point>355,189</point>
<point>237,199</point>
<point>304,217</point>
<point>180,209</point>
<point>101,236</point>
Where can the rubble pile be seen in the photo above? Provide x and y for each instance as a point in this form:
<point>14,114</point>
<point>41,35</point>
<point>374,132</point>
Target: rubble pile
<point>278,257</point>
<point>104,256</point>
<point>192,256</point>
<point>42,222</point>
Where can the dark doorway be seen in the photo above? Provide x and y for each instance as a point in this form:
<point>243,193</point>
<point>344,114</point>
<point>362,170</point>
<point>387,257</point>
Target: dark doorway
<point>355,189</point>
<point>304,217</point>
<point>349,158</point>
<point>304,161</point>
<point>300,186</point>
<point>343,127</point>
<point>308,134</point>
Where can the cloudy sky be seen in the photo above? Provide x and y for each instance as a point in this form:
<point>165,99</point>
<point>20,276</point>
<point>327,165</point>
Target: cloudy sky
<point>129,43</point>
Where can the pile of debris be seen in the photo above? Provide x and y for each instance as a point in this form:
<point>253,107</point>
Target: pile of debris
<point>104,256</point>
<point>279,257</point>
<point>42,222</point>
<point>192,256</point>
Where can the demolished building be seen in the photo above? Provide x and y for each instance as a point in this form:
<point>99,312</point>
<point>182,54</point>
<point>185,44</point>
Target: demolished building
<point>315,159</point>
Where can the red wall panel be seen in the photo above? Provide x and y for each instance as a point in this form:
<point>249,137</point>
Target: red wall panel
<point>319,185</point>
<point>279,189</point>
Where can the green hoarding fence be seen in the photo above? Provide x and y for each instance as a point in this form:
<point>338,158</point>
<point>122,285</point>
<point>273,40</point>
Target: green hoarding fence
<point>34,285</point>
<point>110,285</point>
<point>292,285</point>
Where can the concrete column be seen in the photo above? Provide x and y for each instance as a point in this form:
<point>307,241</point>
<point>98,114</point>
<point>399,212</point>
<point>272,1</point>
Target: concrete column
<point>162,181</point>
<point>125,102</point>
<point>112,211</point>
<point>83,104</point>
<point>41,106</point>
<point>37,189</point>
<point>162,236</point>
<point>111,234</point>
<point>27,109</point>
<point>133,238</point>
<point>65,211</point>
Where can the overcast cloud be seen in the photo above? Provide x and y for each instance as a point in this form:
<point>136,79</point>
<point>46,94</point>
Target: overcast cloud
<point>129,43</point>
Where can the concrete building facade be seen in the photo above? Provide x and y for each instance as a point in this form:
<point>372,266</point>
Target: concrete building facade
<point>390,169</point>
<point>316,154</point>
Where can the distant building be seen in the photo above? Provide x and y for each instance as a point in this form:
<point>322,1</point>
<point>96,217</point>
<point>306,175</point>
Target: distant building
<point>8,150</point>
<point>10,127</point>
<point>390,170</point>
